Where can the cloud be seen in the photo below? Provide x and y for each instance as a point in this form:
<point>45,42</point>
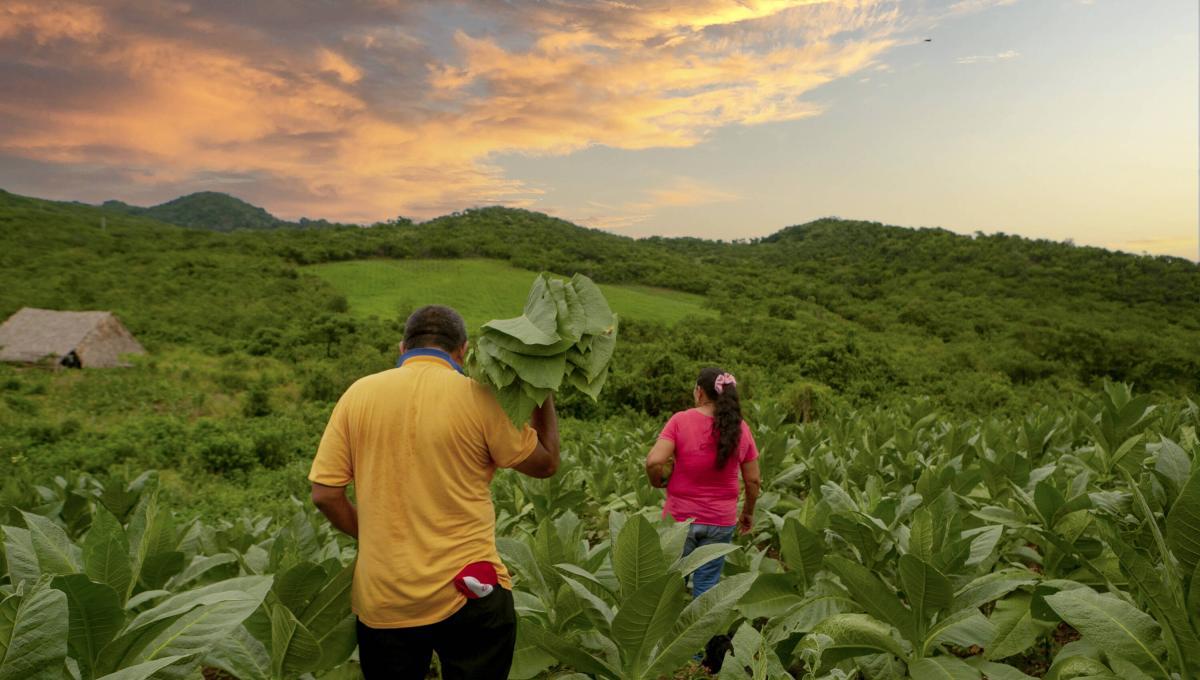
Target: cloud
<point>989,58</point>
<point>685,191</point>
<point>382,108</point>
<point>970,6</point>
<point>678,192</point>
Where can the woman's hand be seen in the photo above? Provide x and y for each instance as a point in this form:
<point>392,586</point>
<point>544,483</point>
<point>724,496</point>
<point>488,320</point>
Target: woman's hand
<point>660,463</point>
<point>746,522</point>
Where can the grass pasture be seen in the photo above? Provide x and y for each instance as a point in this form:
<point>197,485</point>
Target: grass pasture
<point>481,290</point>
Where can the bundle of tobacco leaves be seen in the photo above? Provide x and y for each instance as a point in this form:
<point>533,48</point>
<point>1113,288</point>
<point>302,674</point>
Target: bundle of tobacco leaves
<point>566,336</point>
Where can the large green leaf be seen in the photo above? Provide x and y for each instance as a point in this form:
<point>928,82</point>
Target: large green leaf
<point>294,650</point>
<point>106,553</point>
<point>922,535</point>
<point>702,556</point>
<point>330,604</point>
<point>644,618</point>
<point>942,668</point>
<point>241,655</point>
<point>877,598</point>
<point>160,567</point>
<point>927,589</point>
<point>595,307</point>
<point>845,636</point>
<point>803,551</point>
<point>149,669</point>
<point>539,324</point>
<point>1183,524</point>
<point>33,634</point>
<point>1079,660</point>
<point>1166,601</point>
<point>993,586</point>
<point>188,624</point>
<point>567,652</point>
<point>807,615</point>
<point>55,552</point>
<point>296,586</point>
<point>997,671</point>
<point>1114,626</point>
<point>239,588</point>
<point>337,642</point>
<point>751,649</point>
<point>771,596</point>
<point>205,566</point>
<point>545,372</point>
<point>637,556</point>
<point>965,628</point>
<point>142,532</point>
<point>528,658</point>
<point>705,617</point>
<point>1015,628</point>
<point>596,608</point>
<point>19,553</point>
<point>95,617</point>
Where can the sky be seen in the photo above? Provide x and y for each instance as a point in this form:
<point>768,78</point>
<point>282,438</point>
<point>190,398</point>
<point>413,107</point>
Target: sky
<point>1056,119</point>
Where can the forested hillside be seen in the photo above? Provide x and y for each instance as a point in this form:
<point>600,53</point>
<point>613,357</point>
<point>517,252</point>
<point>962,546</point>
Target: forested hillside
<point>204,210</point>
<point>831,311</point>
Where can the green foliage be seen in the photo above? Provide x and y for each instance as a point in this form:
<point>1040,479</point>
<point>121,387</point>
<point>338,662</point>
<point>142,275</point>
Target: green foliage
<point>919,517</point>
<point>824,315</point>
<point>888,543</point>
<point>223,452</point>
<point>566,337</point>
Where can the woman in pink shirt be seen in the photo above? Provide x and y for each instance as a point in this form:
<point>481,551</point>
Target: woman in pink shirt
<point>710,444</point>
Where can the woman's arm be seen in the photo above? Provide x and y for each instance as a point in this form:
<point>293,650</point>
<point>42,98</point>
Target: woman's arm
<point>657,462</point>
<point>752,483</point>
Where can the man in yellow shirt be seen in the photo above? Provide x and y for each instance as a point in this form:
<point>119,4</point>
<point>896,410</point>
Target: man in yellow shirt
<point>421,442</point>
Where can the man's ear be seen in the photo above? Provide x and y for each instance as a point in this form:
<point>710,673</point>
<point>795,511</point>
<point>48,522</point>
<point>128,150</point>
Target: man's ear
<point>461,354</point>
<point>401,347</point>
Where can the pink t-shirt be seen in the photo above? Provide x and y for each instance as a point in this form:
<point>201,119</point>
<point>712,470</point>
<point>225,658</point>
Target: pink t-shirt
<point>698,489</point>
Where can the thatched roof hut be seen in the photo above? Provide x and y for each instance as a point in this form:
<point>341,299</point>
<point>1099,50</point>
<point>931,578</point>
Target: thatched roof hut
<point>92,339</point>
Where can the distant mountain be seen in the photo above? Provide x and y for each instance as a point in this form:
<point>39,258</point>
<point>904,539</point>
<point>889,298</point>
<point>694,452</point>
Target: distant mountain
<point>205,210</point>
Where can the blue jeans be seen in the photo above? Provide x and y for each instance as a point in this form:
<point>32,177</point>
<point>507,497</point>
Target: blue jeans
<point>707,576</point>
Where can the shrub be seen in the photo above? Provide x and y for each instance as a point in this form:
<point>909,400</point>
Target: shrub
<point>257,402</point>
<point>221,452</point>
<point>272,447</point>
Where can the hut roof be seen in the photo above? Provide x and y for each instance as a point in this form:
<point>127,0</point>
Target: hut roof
<point>97,338</point>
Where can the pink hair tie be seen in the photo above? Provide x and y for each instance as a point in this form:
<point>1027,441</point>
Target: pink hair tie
<point>723,380</point>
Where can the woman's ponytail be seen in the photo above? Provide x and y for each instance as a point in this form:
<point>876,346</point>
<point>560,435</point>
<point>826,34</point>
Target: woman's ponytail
<point>721,389</point>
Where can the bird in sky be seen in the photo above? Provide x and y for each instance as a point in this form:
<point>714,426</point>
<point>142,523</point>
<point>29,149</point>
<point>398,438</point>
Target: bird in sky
<point>929,40</point>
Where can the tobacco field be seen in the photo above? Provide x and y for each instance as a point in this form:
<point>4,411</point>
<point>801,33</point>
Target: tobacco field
<point>1064,544</point>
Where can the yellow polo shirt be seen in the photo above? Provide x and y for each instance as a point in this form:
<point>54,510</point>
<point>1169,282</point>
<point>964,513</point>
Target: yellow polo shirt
<point>420,443</point>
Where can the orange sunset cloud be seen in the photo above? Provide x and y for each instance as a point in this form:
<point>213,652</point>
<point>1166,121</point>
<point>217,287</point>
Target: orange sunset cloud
<point>360,113</point>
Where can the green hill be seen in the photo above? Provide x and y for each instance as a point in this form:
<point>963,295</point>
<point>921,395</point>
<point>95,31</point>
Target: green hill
<point>480,290</point>
<point>855,311</point>
<point>205,210</point>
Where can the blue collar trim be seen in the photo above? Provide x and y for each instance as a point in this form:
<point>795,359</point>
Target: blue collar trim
<point>429,352</point>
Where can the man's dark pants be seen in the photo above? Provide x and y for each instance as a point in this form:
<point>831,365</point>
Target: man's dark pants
<point>475,643</point>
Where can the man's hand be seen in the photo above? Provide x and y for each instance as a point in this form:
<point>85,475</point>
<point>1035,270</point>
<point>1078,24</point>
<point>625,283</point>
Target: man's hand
<point>332,502</point>
<point>746,522</point>
<point>543,462</point>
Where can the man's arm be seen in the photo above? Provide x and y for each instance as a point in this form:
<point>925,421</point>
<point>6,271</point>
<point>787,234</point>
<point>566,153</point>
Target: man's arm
<point>332,502</point>
<point>543,462</point>
<point>656,463</point>
<point>752,482</point>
